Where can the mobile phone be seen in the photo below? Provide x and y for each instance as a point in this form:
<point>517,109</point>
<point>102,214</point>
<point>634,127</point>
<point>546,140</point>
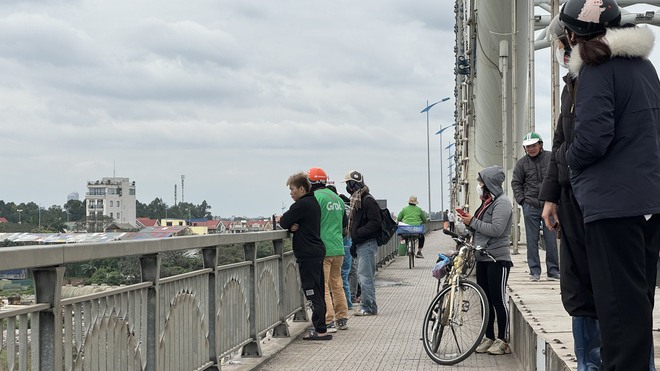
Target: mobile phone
<point>460,211</point>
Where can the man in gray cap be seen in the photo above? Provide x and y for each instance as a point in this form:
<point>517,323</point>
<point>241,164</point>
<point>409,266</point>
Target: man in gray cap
<point>364,226</point>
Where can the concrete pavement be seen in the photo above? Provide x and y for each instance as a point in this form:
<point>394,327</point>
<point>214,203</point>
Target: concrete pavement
<point>541,336</point>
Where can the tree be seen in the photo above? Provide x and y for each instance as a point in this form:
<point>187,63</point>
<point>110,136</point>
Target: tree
<point>98,223</point>
<point>75,210</point>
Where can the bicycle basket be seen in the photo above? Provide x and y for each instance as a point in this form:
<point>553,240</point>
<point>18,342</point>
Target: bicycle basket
<point>441,267</point>
<point>410,229</point>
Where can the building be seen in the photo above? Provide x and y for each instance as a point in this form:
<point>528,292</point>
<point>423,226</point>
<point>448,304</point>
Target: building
<point>110,197</point>
<point>73,196</point>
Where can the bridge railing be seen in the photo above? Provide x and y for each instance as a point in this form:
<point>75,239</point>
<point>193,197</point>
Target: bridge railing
<point>184,322</point>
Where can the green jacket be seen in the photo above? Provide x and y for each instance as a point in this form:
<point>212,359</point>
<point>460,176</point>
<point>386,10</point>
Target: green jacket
<point>412,215</point>
<point>332,216</point>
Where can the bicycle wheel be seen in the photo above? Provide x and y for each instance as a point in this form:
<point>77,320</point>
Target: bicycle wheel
<point>449,338</point>
<point>411,252</point>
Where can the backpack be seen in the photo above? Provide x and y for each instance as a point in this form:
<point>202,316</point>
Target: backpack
<point>388,226</point>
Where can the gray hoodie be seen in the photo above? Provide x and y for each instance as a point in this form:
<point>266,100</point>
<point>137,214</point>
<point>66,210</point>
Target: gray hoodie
<point>493,230</point>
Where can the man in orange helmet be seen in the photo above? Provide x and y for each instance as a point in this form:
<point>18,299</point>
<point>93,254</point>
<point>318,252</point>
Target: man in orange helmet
<point>333,218</point>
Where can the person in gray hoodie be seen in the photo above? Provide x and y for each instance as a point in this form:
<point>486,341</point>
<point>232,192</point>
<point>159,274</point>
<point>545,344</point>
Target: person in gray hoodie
<point>491,225</point>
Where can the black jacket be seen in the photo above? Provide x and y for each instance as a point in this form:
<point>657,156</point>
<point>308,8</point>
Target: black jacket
<point>614,159</point>
<point>367,220</point>
<point>557,175</point>
<point>307,239</point>
<point>527,178</point>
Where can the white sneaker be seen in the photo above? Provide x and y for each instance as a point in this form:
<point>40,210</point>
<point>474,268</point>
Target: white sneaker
<point>485,345</point>
<point>331,327</point>
<point>499,347</point>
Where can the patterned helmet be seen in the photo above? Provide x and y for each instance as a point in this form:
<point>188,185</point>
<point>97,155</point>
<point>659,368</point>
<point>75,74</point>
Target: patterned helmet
<point>590,17</point>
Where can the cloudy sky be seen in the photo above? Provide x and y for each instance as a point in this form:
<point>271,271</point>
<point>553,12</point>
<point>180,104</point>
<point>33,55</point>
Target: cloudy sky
<point>235,94</point>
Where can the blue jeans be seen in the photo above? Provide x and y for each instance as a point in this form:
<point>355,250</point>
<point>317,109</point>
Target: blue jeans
<point>366,253</point>
<point>345,270</point>
<point>532,229</point>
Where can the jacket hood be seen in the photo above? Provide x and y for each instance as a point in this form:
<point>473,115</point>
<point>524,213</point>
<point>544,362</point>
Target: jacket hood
<point>629,42</point>
<point>493,177</point>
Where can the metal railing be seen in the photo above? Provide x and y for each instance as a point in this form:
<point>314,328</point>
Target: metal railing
<point>184,322</point>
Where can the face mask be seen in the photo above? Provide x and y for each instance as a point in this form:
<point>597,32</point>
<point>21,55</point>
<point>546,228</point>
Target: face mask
<point>562,57</point>
<point>480,189</point>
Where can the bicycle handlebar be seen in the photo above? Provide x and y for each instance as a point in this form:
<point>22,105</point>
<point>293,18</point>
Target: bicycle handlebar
<point>461,240</point>
<point>483,251</point>
<point>450,233</point>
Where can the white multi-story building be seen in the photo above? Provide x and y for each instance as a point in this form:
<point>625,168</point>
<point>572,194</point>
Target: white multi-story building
<point>112,197</point>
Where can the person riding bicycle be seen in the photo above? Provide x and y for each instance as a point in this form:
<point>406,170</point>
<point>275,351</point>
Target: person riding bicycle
<point>491,224</point>
<point>413,215</point>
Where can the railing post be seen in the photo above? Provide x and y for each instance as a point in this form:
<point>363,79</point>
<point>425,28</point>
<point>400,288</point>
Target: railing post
<point>253,348</point>
<point>210,256</point>
<point>150,265</point>
<point>281,330</point>
<point>48,289</point>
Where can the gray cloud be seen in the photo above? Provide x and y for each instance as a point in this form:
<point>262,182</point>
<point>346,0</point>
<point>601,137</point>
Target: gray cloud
<point>236,94</point>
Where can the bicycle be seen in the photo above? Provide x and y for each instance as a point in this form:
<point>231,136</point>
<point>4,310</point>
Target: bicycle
<point>410,234</point>
<point>456,320</point>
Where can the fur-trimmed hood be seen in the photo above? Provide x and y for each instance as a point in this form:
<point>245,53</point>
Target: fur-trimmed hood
<point>629,42</point>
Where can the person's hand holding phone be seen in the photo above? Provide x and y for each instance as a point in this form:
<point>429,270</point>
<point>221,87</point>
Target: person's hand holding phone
<point>466,218</point>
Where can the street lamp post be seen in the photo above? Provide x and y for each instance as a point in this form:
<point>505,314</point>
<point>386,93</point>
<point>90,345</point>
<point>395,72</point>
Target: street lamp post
<point>451,183</point>
<point>19,215</point>
<point>428,148</point>
<point>442,199</point>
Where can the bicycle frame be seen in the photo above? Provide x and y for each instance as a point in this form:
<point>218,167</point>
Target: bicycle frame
<point>454,279</point>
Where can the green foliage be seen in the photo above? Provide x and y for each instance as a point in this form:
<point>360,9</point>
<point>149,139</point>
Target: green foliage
<point>157,209</point>
<point>7,243</point>
<point>177,262</point>
<point>75,210</point>
<point>37,219</point>
<point>107,276</point>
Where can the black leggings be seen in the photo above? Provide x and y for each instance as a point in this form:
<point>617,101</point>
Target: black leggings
<point>492,277</point>
<point>420,243</point>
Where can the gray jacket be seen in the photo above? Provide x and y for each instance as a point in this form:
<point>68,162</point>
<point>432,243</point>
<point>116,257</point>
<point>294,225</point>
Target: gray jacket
<point>493,229</point>
<point>528,175</point>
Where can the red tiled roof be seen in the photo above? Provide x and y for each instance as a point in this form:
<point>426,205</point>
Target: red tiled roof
<point>3,220</point>
<point>147,222</point>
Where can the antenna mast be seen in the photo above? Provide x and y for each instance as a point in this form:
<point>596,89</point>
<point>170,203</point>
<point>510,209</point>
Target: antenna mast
<point>182,179</point>
<point>174,194</point>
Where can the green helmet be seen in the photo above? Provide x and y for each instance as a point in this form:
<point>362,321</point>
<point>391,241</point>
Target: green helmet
<point>531,138</point>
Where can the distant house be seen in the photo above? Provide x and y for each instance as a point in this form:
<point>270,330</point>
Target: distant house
<point>147,222</point>
<point>170,222</point>
<point>213,226</point>
<point>3,220</point>
<point>120,227</point>
<point>259,225</point>
<point>243,226</point>
<point>14,274</point>
<point>157,232</point>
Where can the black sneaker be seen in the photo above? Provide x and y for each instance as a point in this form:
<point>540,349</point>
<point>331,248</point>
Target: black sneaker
<point>342,324</point>
<point>419,255</point>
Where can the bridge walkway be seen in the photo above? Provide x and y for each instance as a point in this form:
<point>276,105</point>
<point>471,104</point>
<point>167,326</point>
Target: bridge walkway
<point>540,328</point>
